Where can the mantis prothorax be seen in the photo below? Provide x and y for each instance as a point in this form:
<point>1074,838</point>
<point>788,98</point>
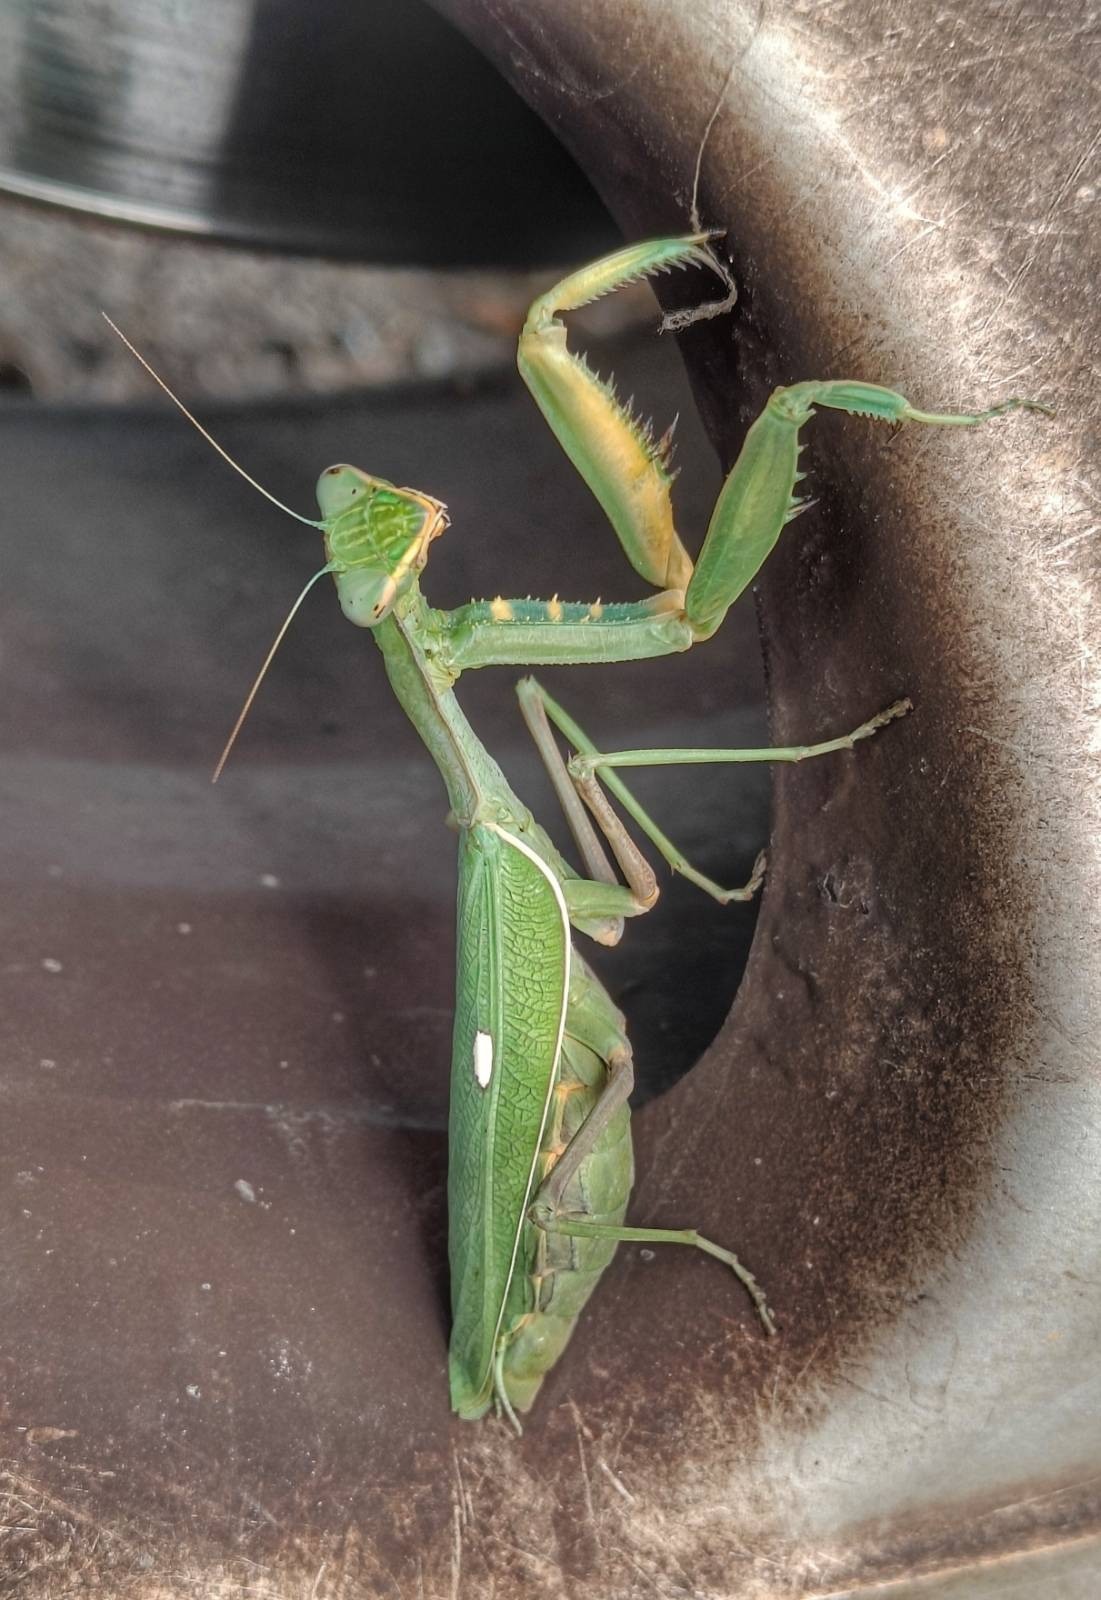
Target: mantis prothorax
<point>541,1162</point>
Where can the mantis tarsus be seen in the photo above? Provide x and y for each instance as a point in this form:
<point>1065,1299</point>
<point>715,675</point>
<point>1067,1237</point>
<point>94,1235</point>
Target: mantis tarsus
<point>540,1149</point>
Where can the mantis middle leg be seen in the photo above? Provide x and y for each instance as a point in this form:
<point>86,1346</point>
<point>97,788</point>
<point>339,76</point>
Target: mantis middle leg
<point>578,778</point>
<point>563,1204</point>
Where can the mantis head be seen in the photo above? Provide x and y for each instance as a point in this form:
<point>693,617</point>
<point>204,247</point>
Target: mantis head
<point>376,539</point>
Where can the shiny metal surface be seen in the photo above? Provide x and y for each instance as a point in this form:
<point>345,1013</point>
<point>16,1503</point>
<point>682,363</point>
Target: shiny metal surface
<point>354,130</point>
<point>913,1054</point>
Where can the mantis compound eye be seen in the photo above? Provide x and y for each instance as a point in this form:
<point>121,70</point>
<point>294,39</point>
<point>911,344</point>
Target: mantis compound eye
<point>366,594</point>
<point>339,488</point>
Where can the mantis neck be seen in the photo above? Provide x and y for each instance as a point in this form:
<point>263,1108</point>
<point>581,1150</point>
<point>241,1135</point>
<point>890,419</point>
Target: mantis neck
<point>476,787</point>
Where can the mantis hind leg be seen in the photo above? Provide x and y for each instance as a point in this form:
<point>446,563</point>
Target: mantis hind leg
<point>554,1209</point>
<point>560,1273</point>
<point>576,1218</point>
<point>583,768</point>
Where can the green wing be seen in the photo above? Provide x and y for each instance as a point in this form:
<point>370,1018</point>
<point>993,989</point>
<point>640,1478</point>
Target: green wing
<point>510,1007</point>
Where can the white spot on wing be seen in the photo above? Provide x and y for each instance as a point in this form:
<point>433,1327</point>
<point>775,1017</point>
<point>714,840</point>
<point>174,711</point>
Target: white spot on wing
<point>483,1058</point>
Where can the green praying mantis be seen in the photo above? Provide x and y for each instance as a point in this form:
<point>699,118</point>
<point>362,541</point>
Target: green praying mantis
<point>540,1157</point>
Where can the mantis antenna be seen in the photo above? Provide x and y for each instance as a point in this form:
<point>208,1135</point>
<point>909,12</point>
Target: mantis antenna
<point>259,487</point>
<point>225,455</point>
<point>258,680</point>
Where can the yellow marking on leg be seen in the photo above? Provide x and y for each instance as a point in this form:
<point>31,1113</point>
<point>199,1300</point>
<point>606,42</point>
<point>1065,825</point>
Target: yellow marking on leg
<point>554,609</point>
<point>668,601</point>
<point>554,1154</point>
<point>564,1089</point>
<point>595,612</point>
<point>562,1093</point>
<point>542,1284</point>
<point>500,610</point>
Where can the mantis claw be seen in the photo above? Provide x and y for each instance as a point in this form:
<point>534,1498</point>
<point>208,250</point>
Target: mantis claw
<point>626,468</point>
